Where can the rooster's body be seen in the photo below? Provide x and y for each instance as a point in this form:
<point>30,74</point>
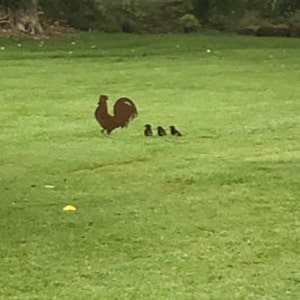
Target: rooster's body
<point>124,111</point>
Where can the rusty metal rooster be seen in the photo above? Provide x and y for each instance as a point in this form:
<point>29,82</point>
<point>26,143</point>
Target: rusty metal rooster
<point>124,111</point>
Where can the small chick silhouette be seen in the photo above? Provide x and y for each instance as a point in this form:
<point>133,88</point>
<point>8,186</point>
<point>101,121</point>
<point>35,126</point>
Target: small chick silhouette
<point>174,131</point>
<point>161,131</point>
<point>148,130</point>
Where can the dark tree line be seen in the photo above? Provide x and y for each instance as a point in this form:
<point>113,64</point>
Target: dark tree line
<point>148,15</point>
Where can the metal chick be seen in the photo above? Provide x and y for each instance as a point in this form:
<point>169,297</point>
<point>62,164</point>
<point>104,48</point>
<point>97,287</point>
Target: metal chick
<point>174,131</point>
<point>161,131</point>
<point>148,130</point>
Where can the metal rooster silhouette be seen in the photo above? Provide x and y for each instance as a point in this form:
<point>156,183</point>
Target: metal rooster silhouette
<point>124,111</point>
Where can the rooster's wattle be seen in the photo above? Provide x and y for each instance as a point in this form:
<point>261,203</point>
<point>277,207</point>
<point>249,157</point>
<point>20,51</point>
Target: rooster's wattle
<point>124,111</point>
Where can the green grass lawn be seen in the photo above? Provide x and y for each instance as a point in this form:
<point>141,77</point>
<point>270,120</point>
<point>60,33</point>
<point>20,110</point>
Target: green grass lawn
<point>210,215</point>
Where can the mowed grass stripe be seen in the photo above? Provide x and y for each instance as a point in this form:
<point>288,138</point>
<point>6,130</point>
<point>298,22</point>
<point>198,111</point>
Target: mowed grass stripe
<point>213,214</point>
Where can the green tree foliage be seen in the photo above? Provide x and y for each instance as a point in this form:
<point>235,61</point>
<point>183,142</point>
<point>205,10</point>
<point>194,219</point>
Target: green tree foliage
<point>273,7</point>
<point>81,14</point>
<point>227,13</point>
<point>119,15</point>
<point>155,15</point>
<point>15,4</point>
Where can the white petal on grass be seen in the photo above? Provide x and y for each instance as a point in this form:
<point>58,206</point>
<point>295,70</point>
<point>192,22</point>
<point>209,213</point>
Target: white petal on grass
<point>49,186</point>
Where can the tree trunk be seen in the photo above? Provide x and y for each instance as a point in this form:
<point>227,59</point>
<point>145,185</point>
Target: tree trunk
<point>6,20</point>
<point>22,19</point>
<point>35,25</point>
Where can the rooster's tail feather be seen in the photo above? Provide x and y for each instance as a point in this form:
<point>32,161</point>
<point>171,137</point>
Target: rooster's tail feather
<point>124,111</point>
